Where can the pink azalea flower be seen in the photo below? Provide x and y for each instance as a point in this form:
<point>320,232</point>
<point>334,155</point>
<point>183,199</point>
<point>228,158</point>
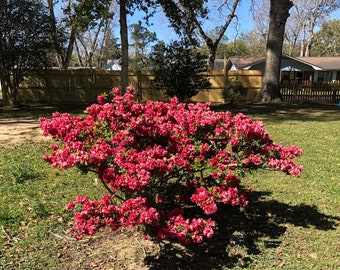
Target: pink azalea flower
<point>186,152</point>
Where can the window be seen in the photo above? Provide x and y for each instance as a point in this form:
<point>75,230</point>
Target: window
<point>325,76</point>
<point>292,75</point>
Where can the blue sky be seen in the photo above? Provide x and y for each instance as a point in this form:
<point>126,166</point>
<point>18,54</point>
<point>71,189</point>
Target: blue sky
<point>243,25</point>
<point>160,23</point>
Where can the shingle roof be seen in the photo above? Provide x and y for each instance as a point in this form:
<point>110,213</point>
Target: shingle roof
<point>318,63</point>
<point>219,64</point>
<point>241,62</point>
<point>326,63</point>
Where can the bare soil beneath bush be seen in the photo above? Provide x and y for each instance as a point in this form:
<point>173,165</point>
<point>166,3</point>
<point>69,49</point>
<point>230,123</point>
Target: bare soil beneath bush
<point>125,249</point>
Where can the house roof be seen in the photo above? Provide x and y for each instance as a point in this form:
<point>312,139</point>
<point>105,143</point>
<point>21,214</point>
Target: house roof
<point>113,65</point>
<point>316,63</point>
<point>244,62</point>
<point>326,63</point>
<point>219,64</point>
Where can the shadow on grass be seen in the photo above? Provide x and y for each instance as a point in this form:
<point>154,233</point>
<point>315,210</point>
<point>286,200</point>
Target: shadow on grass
<point>239,234</point>
<point>272,112</point>
<point>286,111</point>
<point>34,112</point>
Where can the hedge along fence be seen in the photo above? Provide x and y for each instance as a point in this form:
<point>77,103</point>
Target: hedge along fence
<point>82,86</point>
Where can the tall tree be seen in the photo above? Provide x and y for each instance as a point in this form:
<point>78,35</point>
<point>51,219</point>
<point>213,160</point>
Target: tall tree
<point>89,44</point>
<point>279,13</point>
<point>110,50</point>
<point>327,39</point>
<point>305,16</point>
<point>188,17</point>
<point>315,12</point>
<point>256,43</point>
<point>260,10</point>
<point>235,48</point>
<point>81,15</point>
<point>127,7</point>
<point>60,38</point>
<point>124,77</point>
<point>24,43</point>
<point>294,32</point>
<point>142,38</point>
<point>77,17</point>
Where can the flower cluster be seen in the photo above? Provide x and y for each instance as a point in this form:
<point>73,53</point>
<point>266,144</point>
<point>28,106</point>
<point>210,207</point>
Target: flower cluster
<point>160,161</point>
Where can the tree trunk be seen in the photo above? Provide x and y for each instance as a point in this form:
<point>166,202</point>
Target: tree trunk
<point>9,89</point>
<point>279,12</point>
<point>63,58</point>
<point>211,58</point>
<point>125,47</point>
<point>5,89</point>
<point>310,40</point>
<point>67,59</point>
<point>212,45</point>
<point>303,40</point>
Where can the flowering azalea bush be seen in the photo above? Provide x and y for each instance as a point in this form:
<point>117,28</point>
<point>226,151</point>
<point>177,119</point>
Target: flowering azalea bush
<point>166,166</point>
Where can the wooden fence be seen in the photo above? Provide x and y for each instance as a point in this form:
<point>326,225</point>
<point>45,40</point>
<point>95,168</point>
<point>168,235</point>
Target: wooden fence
<point>305,91</point>
<point>84,85</point>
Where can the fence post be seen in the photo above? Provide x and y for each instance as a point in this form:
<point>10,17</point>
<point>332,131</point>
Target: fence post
<point>139,86</point>
<point>295,90</point>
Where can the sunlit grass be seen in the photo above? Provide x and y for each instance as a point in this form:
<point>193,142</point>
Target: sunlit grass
<point>306,244</point>
<point>290,223</point>
<point>32,211</point>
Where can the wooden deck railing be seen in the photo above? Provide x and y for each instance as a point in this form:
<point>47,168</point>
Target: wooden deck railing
<point>305,91</point>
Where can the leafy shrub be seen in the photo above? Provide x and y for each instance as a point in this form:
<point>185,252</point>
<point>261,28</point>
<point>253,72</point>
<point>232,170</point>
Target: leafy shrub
<point>232,89</point>
<point>166,166</point>
<point>179,70</point>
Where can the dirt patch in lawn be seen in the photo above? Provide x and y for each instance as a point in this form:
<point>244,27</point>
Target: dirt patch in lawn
<point>13,130</point>
<point>18,124</point>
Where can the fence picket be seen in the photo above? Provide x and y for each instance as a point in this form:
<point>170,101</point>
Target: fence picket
<point>305,91</point>
<point>83,86</point>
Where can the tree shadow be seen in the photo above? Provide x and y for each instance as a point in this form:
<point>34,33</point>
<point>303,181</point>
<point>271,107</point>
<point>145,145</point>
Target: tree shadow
<point>34,112</point>
<point>286,111</point>
<point>262,220</point>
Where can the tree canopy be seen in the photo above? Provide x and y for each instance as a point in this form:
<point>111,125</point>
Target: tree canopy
<point>79,17</point>
<point>327,39</point>
<point>187,18</point>
<point>142,39</point>
<point>305,17</point>
<point>179,69</point>
<point>25,43</point>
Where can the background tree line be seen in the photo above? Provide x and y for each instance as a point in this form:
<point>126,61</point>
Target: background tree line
<point>82,32</point>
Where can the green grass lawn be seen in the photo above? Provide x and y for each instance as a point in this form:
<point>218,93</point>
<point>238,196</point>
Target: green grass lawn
<point>290,223</point>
